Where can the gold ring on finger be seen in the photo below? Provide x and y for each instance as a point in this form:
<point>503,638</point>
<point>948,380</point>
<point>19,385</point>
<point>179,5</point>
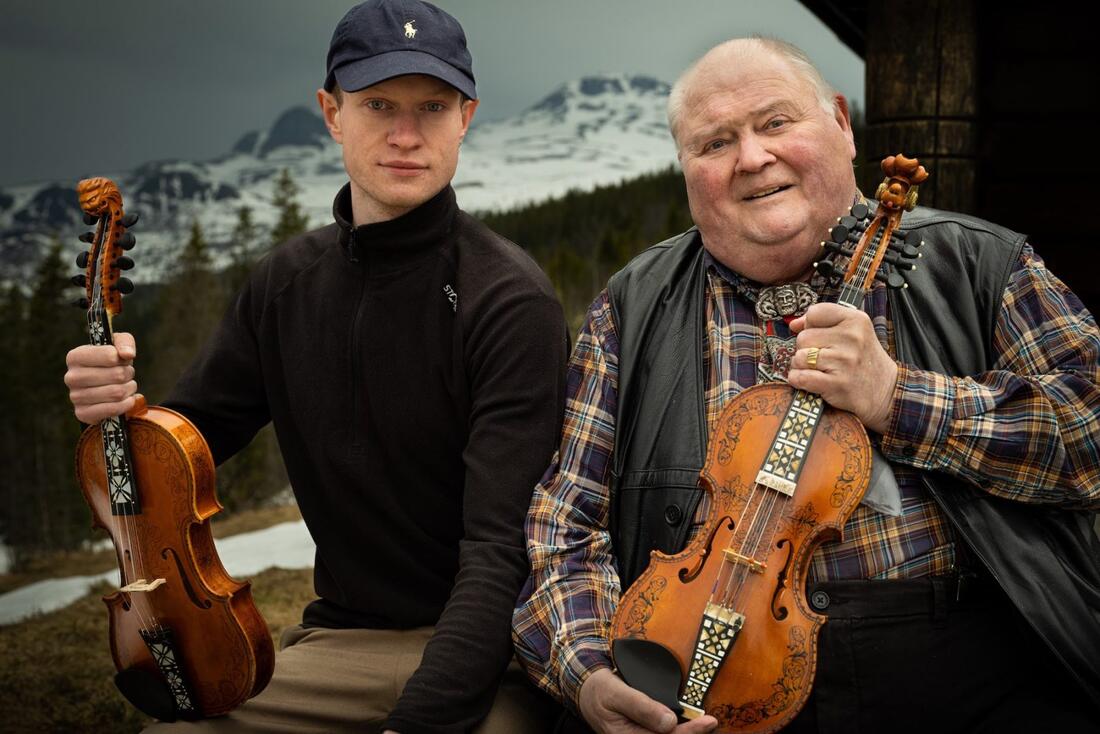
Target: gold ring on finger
<point>811,357</point>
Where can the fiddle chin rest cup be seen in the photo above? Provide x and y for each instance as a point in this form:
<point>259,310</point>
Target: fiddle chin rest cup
<point>651,668</point>
<point>149,694</point>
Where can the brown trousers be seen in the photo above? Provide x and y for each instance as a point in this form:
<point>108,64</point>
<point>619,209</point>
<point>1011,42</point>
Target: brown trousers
<point>348,680</point>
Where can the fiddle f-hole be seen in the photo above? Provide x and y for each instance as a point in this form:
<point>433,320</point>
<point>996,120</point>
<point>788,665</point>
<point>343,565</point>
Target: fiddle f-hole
<point>687,576</point>
<point>187,587</point>
<point>779,611</point>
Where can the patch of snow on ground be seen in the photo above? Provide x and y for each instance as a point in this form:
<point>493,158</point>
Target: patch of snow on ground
<point>287,545</point>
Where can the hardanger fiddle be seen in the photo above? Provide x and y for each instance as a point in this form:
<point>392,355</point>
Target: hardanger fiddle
<point>186,638</point>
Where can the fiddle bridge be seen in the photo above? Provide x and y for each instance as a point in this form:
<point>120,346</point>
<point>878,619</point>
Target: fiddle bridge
<point>143,585</point>
<point>752,564</point>
<point>717,633</point>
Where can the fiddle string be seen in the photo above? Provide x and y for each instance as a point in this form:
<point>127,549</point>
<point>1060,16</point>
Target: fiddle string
<point>734,569</point>
<point>863,267</point>
<point>718,317</point>
<point>776,501</point>
<point>130,531</point>
<point>740,573</point>
<point>150,617</point>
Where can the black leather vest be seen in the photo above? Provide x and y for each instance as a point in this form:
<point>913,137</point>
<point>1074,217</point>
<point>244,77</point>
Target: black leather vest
<point>1046,559</point>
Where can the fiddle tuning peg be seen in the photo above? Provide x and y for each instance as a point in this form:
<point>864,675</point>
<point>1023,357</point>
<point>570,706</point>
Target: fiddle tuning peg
<point>826,268</point>
<point>838,247</point>
<point>899,261</point>
<point>80,280</point>
<point>855,227</point>
<point>90,219</point>
<point>129,219</point>
<point>913,239</point>
<point>82,259</point>
<point>903,248</point>
<point>861,211</point>
<point>126,241</point>
<point>122,263</point>
<point>87,237</point>
<point>892,280</point>
<point>80,303</point>
<point>839,233</point>
<point>124,286</point>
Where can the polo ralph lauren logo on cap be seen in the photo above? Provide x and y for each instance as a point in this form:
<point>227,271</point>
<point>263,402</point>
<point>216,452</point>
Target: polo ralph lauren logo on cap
<point>410,32</point>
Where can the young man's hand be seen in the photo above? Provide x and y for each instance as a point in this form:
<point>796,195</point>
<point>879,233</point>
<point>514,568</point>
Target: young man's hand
<point>101,379</point>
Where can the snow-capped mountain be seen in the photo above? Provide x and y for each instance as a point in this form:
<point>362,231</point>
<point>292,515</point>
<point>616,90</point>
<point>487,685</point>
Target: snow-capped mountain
<point>591,131</point>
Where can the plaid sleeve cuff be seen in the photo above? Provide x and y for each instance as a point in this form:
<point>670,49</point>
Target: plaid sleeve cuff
<point>586,657</point>
<point>923,403</point>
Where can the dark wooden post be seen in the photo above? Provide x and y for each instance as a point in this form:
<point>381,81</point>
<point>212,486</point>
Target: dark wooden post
<point>921,82</point>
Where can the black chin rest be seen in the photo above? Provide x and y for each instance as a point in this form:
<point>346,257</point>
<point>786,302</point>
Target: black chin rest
<point>651,668</point>
<point>149,694</point>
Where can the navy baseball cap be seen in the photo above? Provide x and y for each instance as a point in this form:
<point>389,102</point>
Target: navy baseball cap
<point>381,39</point>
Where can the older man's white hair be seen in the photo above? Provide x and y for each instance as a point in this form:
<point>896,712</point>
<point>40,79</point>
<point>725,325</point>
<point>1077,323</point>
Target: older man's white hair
<point>740,48</point>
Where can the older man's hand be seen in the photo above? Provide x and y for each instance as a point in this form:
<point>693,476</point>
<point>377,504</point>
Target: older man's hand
<point>853,372</point>
<point>610,706</point>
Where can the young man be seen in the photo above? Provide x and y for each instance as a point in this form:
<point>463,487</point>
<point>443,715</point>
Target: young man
<point>412,364</point>
<point>973,605</point>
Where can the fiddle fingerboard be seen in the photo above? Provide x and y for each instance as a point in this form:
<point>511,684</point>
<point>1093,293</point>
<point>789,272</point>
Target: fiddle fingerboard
<point>120,475</point>
<point>116,439</point>
<point>784,460</point>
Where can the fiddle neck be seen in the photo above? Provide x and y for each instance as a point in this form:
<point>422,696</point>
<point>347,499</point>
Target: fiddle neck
<point>123,493</point>
<point>852,290</point>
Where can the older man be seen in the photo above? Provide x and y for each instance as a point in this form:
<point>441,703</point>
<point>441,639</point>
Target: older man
<point>980,385</point>
<point>412,362</point>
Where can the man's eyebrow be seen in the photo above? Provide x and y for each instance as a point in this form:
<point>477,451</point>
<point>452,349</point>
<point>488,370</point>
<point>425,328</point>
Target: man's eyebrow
<point>698,136</point>
<point>782,106</point>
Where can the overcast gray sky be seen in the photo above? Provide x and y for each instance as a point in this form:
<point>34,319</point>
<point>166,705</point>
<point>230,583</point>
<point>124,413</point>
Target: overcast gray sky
<point>99,87</point>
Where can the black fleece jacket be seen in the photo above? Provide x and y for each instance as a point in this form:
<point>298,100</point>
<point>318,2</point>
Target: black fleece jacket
<point>414,372</point>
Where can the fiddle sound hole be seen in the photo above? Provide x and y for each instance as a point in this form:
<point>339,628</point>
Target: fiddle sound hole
<point>779,611</point>
<point>187,587</point>
<point>688,575</point>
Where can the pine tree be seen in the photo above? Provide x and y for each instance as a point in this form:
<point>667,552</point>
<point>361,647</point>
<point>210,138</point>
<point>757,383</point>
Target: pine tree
<point>189,305</point>
<point>292,220</point>
<point>244,249</point>
<point>17,415</point>
<point>43,506</point>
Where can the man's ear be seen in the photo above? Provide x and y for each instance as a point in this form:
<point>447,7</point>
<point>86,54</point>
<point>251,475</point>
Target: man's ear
<point>330,111</point>
<point>844,120</point>
<point>468,108</point>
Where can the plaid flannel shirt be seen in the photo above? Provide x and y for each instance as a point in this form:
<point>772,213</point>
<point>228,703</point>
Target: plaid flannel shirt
<point>1025,431</point>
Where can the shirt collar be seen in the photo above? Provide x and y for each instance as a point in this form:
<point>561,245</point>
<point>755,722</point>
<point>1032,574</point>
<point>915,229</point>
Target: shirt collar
<point>397,240</point>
